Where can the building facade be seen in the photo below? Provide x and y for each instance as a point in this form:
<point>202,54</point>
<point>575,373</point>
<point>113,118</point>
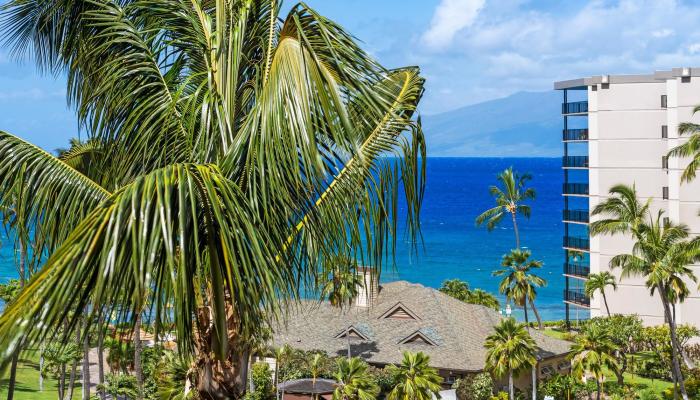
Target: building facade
<point>618,129</point>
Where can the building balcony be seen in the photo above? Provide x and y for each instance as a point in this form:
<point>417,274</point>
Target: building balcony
<point>575,189</point>
<point>576,107</point>
<point>575,161</point>
<point>577,243</point>
<point>574,135</point>
<point>581,216</point>
<point>577,297</point>
<point>574,269</point>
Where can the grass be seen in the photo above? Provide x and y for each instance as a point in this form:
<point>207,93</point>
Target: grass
<point>555,333</point>
<point>27,387</point>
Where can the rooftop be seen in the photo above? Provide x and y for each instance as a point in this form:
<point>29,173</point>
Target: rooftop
<point>657,76</point>
<point>405,316</point>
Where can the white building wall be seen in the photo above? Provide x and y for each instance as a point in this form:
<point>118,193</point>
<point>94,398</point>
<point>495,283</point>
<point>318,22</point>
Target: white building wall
<point>626,147</point>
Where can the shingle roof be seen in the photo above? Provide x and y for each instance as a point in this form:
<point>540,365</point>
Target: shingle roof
<point>459,330</point>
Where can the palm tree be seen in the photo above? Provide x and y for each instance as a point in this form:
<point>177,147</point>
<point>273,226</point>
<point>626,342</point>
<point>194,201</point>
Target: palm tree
<point>354,381</point>
<point>484,298</point>
<point>239,148</point>
<point>414,379</point>
<point>598,283</point>
<point>519,283</point>
<point>459,290</point>
<point>661,254</point>
<point>509,201</point>
<point>592,352</point>
<point>691,148</point>
<point>509,351</point>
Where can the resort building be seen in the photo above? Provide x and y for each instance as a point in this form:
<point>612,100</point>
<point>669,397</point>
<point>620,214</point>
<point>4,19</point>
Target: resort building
<point>618,130</point>
<point>402,316</point>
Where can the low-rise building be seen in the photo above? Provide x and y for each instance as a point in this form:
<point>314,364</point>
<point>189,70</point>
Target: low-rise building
<point>400,316</point>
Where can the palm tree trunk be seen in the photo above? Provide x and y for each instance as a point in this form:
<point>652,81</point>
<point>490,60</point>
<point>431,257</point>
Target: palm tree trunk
<point>676,367</point>
<point>41,368</point>
<point>100,359</point>
<point>537,314</point>
<point>137,355</point>
<point>62,382</point>
<point>534,381</point>
<point>527,322</point>
<point>511,391</point>
<point>515,229</point>
<point>597,383</point>
<point>605,301</point>
<point>86,359</point>
<point>73,368</point>
<point>15,357</point>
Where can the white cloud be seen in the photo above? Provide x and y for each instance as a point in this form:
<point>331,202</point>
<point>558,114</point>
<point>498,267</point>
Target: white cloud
<point>31,94</point>
<point>662,33</point>
<point>450,17</point>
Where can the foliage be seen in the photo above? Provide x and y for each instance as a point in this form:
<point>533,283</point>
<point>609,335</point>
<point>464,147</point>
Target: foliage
<point>460,291</point>
<point>341,282</point>
<point>120,354</point>
<point>500,396</point>
<point>238,150</point>
<point>414,379</point>
<point>296,364</point>
<point>383,378</point>
<point>354,380</point>
<point>593,352</point>
<point>171,377</point>
<point>510,198</point>
<point>509,349</point>
<point>626,332</point>
<point>559,386</point>
<point>9,290</point>
<point>597,283</point>
<point>474,387</point>
<point>57,356</point>
<point>119,386</point>
<point>655,343</point>
<point>261,375</point>
<point>519,282</point>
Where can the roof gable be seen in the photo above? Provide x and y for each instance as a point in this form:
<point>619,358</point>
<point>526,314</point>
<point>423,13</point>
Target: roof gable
<point>352,332</point>
<point>418,337</point>
<point>399,311</point>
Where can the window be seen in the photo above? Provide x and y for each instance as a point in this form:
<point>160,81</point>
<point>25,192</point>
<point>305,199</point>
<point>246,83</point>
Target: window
<point>664,162</point>
<point>664,101</point>
<point>664,131</point>
<point>664,192</point>
<point>594,88</point>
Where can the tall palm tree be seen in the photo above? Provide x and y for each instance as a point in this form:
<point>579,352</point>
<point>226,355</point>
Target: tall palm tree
<point>354,381</point>
<point>598,283</point>
<point>484,298</point>
<point>593,352</point>
<point>239,148</point>
<point>414,379</point>
<point>661,254</point>
<point>509,351</point>
<point>519,284</point>
<point>509,201</point>
<point>460,290</point>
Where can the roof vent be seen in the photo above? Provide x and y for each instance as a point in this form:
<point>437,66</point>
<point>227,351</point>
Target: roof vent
<point>418,337</point>
<point>351,332</point>
<point>399,311</point>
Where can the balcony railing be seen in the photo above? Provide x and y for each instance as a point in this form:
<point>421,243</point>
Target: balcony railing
<point>577,297</point>
<point>576,215</point>
<point>575,161</point>
<point>576,107</point>
<point>575,188</point>
<point>577,269</point>
<point>574,134</point>
<point>572,242</point>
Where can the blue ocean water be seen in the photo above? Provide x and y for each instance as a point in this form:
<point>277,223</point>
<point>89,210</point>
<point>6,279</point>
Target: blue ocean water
<point>456,192</point>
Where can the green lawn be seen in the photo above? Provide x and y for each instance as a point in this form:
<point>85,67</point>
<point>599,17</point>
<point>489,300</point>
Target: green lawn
<point>27,387</point>
<point>555,333</point>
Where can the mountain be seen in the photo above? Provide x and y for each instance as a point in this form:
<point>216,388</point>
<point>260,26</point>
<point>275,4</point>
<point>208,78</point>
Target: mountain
<point>524,124</point>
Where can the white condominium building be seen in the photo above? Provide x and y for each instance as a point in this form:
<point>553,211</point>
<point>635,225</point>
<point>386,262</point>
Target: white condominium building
<point>618,130</point>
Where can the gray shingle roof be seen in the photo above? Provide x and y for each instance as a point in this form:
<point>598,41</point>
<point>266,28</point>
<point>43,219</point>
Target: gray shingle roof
<point>458,329</point>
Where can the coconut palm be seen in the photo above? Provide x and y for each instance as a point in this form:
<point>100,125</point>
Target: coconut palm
<point>662,254</point>
<point>519,284</point>
<point>460,290</point>
<point>354,381</point>
<point>414,379</point>
<point>690,148</point>
<point>484,298</point>
<point>239,148</point>
<point>593,352</point>
<point>509,351</point>
<point>598,283</point>
<point>622,212</point>
<point>509,201</point>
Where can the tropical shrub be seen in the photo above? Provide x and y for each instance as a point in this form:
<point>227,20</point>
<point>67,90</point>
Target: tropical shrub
<point>500,396</point>
<point>474,387</point>
<point>261,375</point>
<point>649,394</point>
<point>297,364</point>
<point>120,386</point>
<point>625,331</point>
<point>560,387</point>
<point>383,378</point>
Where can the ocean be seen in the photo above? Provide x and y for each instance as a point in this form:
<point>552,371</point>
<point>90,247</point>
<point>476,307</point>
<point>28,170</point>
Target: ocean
<point>453,247</point>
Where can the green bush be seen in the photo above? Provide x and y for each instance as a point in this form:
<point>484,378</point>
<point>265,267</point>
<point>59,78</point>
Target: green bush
<point>500,396</point>
<point>474,387</point>
<point>261,375</point>
<point>559,387</point>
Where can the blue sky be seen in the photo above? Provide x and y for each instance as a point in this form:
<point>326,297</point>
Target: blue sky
<point>469,50</point>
